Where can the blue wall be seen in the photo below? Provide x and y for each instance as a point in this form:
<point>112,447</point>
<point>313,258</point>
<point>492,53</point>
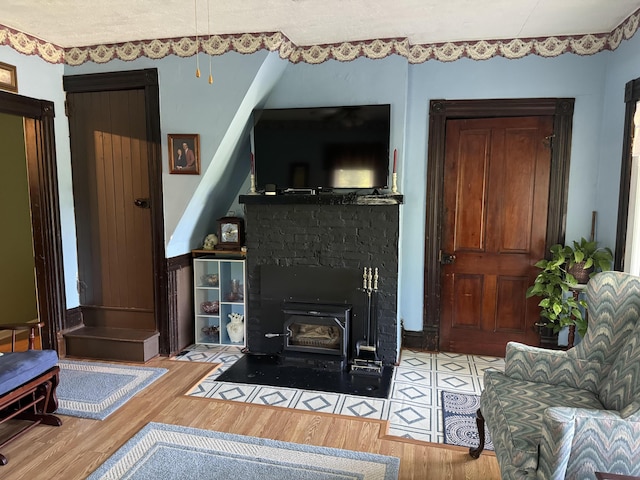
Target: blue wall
<point>220,114</point>
<point>564,76</point>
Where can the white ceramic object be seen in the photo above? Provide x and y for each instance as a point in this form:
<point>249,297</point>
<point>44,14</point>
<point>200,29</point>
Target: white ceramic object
<point>235,328</point>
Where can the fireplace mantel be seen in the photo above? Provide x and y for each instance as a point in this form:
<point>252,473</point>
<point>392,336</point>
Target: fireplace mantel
<point>322,199</point>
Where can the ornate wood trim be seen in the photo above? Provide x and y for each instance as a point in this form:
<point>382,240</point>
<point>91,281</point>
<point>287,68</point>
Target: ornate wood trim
<point>439,112</point>
<point>45,209</point>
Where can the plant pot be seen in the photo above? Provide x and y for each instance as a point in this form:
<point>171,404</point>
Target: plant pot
<point>580,273</point>
<point>548,338</point>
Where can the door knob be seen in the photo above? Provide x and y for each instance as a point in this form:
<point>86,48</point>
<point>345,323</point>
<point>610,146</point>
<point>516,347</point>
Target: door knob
<point>447,258</point>
<point>142,203</point>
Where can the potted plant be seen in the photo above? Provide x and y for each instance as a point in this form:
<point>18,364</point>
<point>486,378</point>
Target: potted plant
<point>559,308</point>
<point>586,258</point>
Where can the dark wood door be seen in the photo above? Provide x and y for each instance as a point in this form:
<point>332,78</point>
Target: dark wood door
<point>495,199</point>
<point>110,164</point>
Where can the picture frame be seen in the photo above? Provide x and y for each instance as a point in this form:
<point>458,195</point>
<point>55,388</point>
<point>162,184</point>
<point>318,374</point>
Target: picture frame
<point>8,77</point>
<point>184,153</point>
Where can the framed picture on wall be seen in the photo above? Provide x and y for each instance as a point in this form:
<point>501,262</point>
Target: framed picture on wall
<point>184,153</point>
<point>8,77</point>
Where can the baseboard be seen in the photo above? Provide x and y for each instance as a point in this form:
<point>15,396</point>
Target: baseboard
<point>427,339</point>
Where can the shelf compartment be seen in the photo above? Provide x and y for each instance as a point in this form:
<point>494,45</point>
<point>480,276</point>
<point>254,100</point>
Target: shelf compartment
<point>225,310</point>
<point>207,329</point>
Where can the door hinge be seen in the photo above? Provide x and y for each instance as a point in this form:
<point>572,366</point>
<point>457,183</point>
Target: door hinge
<point>548,140</point>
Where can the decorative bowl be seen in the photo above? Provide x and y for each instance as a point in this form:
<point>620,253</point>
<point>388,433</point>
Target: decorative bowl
<point>211,333</point>
<point>210,308</point>
<point>210,280</point>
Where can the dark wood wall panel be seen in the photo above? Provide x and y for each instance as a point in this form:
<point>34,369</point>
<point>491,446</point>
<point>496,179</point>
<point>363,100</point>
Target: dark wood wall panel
<point>470,222</point>
<point>468,288</point>
<point>518,182</point>
<point>509,313</point>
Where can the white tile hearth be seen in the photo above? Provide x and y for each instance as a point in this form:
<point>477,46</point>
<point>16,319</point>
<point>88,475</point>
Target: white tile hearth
<point>413,407</point>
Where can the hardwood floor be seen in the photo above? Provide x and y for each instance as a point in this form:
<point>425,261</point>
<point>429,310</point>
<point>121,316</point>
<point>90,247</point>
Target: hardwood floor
<point>79,446</point>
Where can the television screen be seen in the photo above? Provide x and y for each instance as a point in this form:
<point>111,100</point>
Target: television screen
<point>326,147</point>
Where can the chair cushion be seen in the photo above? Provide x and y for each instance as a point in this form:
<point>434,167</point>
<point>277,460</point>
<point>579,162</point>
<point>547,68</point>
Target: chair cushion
<point>514,411</point>
<point>17,368</point>
<point>622,385</point>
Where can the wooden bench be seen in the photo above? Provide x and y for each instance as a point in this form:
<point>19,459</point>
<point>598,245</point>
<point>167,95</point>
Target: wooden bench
<point>28,382</point>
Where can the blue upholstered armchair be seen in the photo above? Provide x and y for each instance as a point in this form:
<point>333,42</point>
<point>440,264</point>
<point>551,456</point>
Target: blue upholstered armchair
<point>556,414</point>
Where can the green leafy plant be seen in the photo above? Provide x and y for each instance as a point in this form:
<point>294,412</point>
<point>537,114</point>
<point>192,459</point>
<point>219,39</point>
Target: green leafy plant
<point>590,255</point>
<point>558,306</point>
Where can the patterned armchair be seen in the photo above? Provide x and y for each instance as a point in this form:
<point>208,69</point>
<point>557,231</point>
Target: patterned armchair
<point>556,414</point>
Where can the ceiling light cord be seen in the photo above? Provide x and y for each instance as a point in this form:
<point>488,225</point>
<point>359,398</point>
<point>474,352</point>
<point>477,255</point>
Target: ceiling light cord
<point>209,28</point>
<point>195,10</point>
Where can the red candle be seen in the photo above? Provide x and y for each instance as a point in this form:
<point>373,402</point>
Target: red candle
<point>253,165</point>
<point>395,160</point>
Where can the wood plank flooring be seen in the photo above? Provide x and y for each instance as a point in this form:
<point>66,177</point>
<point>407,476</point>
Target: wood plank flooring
<point>79,446</point>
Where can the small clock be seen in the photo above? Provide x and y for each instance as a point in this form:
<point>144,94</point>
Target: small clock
<point>230,232</point>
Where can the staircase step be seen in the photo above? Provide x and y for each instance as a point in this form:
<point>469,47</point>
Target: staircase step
<point>108,343</point>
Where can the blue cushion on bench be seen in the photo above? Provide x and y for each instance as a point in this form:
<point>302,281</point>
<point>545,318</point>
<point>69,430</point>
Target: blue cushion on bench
<point>17,368</point>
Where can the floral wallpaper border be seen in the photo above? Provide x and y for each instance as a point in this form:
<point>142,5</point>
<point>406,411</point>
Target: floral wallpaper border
<point>588,44</point>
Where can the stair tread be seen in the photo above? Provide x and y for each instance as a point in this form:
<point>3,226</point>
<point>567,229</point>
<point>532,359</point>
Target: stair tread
<point>124,334</point>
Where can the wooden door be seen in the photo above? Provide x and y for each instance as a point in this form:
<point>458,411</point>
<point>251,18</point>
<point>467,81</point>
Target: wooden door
<point>495,199</point>
<point>110,164</point>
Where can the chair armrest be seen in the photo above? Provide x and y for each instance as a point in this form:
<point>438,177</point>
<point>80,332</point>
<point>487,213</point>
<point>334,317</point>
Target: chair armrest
<point>575,441</point>
<point>555,367</point>
<point>15,327</point>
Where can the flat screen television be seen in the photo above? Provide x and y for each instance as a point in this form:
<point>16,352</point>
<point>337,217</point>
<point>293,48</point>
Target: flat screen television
<point>322,148</point>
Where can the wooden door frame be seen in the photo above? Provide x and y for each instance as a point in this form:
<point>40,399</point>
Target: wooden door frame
<point>146,79</point>
<point>631,98</point>
<point>40,150</point>
<point>440,111</point>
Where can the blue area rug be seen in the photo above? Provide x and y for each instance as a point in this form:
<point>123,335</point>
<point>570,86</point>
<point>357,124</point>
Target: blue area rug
<point>459,416</point>
<point>171,452</point>
<point>96,390</point>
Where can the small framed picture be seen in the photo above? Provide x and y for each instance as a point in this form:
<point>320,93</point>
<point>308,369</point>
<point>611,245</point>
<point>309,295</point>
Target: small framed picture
<point>8,77</point>
<point>184,153</point>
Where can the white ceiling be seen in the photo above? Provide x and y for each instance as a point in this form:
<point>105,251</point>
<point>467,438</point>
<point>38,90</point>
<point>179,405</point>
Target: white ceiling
<point>80,23</point>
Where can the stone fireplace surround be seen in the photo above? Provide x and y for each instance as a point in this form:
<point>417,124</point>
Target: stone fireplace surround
<point>314,248</point>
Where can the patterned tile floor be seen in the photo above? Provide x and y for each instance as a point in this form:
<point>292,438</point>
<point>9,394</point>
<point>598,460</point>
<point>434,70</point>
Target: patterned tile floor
<point>413,407</point>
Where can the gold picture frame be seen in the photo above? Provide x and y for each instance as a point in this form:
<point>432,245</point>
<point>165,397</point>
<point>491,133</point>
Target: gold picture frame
<point>184,153</point>
<point>8,77</point>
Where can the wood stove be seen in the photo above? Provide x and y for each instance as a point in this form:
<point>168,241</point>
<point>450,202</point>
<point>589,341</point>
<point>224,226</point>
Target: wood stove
<point>317,328</point>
